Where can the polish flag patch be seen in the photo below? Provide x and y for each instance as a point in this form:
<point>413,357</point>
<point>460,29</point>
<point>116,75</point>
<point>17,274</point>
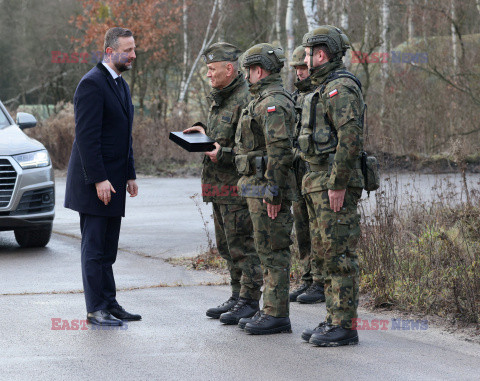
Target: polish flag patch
<point>333,93</point>
<point>271,109</point>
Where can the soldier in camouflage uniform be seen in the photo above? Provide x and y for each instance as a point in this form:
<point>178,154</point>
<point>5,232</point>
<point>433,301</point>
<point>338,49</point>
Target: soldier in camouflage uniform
<point>311,290</point>
<point>330,141</point>
<point>264,157</point>
<point>233,226</point>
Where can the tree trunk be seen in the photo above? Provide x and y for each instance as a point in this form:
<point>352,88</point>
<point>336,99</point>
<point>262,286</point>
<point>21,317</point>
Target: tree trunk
<point>366,31</point>
<point>311,13</point>
<point>206,41</point>
<point>384,67</point>
<point>325,11</point>
<point>278,15</point>
<point>344,15</point>
<point>290,40</point>
<point>411,29</point>
<point>185,46</point>
<point>344,25</point>
<point>222,9</point>
<point>454,36</point>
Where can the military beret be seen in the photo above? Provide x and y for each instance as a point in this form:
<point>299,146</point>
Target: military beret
<point>221,51</point>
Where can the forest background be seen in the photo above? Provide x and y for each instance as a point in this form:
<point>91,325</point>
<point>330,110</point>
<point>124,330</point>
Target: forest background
<point>418,61</point>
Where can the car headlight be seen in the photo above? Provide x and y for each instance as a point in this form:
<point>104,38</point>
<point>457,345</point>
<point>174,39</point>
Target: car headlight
<point>33,159</point>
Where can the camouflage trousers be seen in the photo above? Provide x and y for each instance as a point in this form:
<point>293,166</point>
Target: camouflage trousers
<point>336,252</point>
<point>235,243</point>
<point>272,241</point>
<point>308,266</point>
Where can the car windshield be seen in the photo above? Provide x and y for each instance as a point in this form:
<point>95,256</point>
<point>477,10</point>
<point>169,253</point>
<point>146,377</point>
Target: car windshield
<point>4,121</point>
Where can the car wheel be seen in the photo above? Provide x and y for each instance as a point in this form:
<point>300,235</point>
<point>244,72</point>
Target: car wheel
<point>33,238</point>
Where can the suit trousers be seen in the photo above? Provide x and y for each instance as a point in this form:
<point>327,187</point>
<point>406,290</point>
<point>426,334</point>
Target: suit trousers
<point>99,252</point>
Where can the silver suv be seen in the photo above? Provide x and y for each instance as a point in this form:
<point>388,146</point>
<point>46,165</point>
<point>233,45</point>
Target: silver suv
<point>27,185</point>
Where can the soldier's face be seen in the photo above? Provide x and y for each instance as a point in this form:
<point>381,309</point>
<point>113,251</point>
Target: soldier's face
<point>319,57</point>
<point>302,72</point>
<point>217,73</point>
<point>255,74</point>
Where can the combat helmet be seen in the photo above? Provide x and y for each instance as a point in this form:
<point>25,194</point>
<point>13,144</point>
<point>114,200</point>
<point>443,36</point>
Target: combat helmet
<point>265,55</point>
<point>298,57</point>
<point>333,37</point>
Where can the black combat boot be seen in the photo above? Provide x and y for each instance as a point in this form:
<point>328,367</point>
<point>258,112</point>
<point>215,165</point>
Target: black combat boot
<point>298,291</point>
<point>334,336</point>
<point>243,321</point>
<point>215,312</point>
<point>314,294</point>
<point>267,324</point>
<point>244,308</point>
<point>307,333</point>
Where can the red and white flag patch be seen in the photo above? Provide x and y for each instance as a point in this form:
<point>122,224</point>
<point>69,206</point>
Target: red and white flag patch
<point>333,93</point>
<point>271,109</point>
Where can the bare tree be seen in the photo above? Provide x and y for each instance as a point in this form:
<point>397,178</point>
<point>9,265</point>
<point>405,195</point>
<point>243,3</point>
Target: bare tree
<point>290,37</point>
<point>454,35</point>
<point>207,40</point>
<point>311,13</point>
<point>384,72</point>
<point>325,11</point>
<point>278,15</point>
<point>183,84</point>
<point>411,29</point>
<point>344,14</point>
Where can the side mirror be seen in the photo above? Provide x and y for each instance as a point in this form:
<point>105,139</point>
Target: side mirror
<point>25,120</point>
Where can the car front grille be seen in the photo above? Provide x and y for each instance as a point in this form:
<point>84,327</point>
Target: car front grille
<point>8,177</point>
<point>36,201</point>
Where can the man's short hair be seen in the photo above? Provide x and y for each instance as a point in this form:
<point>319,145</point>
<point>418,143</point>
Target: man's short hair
<point>112,35</point>
<point>233,63</point>
<point>325,49</point>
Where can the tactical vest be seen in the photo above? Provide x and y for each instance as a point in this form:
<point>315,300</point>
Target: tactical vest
<point>318,137</point>
<point>251,136</point>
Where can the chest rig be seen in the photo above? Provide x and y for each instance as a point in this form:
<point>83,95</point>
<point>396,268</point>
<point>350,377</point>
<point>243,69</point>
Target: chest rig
<point>318,136</point>
<point>250,137</point>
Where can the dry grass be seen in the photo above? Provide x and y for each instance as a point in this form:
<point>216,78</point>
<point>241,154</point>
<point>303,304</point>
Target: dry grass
<point>423,257</point>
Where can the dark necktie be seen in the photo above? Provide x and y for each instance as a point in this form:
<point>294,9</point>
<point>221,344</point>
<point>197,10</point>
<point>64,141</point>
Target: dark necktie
<point>121,89</point>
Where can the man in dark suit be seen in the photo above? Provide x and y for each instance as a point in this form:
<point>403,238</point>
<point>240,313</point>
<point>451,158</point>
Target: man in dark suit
<point>100,172</point>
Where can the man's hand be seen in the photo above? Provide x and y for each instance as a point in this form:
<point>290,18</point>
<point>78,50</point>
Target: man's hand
<point>272,210</point>
<point>213,154</point>
<point>104,189</point>
<point>132,188</point>
<point>194,129</point>
<point>336,199</point>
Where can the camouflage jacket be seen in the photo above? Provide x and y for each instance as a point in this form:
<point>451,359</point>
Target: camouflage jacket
<point>266,129</point>
<point>219,180</point>
<point>303,88</point>
<point>331,136</point>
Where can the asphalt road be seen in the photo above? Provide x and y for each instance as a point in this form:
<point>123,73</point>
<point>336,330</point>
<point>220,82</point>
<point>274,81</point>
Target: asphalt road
<point>175,340</point>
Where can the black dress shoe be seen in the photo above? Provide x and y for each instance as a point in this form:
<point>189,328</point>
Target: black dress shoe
<point>244,308</point>
<point>334,336</point>
<point>268,324</point>
<point>298,291</point>
<point>103,317</point>
<point>307,333</point>
<point>243,321</point>
<point>314,294</point>
<point>120,313</point>
<point>215,312</point>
